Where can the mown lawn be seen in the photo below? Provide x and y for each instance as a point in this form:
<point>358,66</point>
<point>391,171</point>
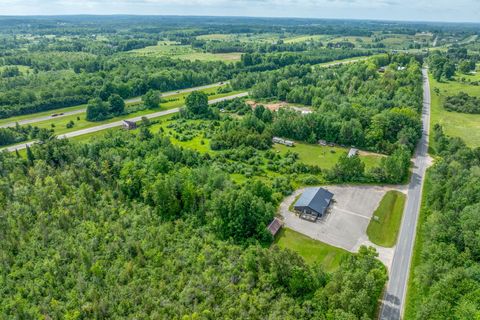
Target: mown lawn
<point>384,232</point>
<point>455,124</point>
<point>323,156</point>
<point>311,250</point>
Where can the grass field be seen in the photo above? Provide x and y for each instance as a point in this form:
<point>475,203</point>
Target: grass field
<point>324,157</point>
<point>414,292</point>
<point>316,37</point>
<point>312,251</point>
<point>384,232</point>
<point>184,52</point>
<point>455,124</point>
<point>41,114</point>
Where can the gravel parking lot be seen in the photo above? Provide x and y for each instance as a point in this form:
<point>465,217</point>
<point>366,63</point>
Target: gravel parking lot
<point>346,222</point>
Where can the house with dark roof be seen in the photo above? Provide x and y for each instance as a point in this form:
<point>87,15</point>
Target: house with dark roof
<point>313,203</point>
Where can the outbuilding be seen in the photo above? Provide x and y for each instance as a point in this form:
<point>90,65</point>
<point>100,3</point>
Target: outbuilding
<point>313,203</point>
<point>275,226</point>
<point>129,125</point>
<point>352,152</point>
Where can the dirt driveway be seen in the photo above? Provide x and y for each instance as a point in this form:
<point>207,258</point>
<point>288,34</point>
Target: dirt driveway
<point>346,222</point>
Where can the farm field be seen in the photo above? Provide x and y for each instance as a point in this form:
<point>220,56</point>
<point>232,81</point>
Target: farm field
<point>384,232</point>
<point>462,125</point>
<point>311,250</point>
<point>184,52</point>
<point>303,38</point>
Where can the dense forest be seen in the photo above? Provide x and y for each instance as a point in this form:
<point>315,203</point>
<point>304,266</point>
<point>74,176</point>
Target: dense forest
<point>112,228</point>
<point>169,220</point>
<point>447,278</point>
<point>354,104</point>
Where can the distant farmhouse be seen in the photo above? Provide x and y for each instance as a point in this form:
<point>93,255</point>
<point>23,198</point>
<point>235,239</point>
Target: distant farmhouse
<point>352,152</point>
<point>313,203</point>
<point>129,125</point>
<point>287,143</point>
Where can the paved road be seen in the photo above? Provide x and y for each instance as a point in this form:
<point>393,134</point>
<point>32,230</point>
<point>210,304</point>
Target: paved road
<point>118,123</point>
<point>394,299</point>
<point>83,110</point>
<point>138,99</point>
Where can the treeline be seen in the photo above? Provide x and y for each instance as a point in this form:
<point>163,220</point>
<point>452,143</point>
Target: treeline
<point>462,102</point>
<point>445,279</point>
<point>443,65</point>
<point>52,84</point>
<point>225,46</point>
<point>90,229</point>
<point>23,133</point>
<point>353,104</point>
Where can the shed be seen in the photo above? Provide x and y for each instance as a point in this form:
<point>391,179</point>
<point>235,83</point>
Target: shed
<point>352,152</point>
<point>313,203</point>
<point>129,125</point>
<point>322,142</point>
<point>275,226</point>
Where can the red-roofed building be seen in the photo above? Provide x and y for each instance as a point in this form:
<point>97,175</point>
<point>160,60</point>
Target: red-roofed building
<point>275,226</point>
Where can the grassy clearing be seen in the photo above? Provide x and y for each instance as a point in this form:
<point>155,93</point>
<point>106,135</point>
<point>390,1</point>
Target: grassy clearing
<point>216,36</point>
<point>455,124</point>
<point>312,251</point>
<point>184,52</point>
<point>323,156</point>
<point>384,232</point>
<point>414,291</point>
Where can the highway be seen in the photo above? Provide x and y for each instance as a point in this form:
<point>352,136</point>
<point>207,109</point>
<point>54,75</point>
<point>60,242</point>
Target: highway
<point>118,123</point>
<point>393,303</point>
<point>83,110</point>
<point>166,94</point>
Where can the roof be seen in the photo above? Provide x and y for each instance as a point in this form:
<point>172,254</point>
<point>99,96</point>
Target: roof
<point>274,226</point>
<point>316,199</point>
<point>352,152</point>
<point>130,123</point>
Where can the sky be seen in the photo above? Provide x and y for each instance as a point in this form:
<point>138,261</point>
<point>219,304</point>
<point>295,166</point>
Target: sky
<point>408,10</point>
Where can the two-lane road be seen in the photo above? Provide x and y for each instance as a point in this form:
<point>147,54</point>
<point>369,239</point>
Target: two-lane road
<point>83,110</point>
<point>394,299</point>
<point>119,123</point>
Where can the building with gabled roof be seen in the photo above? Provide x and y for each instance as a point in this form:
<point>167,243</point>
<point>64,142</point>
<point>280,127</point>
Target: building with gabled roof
<point>313,203</point>
<point>275,226</point>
